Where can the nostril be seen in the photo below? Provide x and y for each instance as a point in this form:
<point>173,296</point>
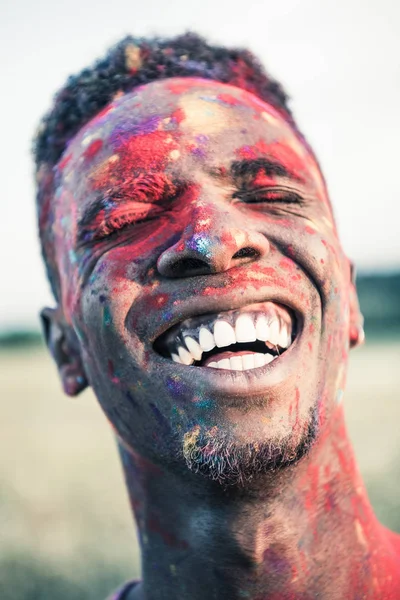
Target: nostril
<point>246,252</point>
<point>185,265</point>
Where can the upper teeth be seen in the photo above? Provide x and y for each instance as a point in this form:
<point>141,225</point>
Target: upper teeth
<point>190,345</point>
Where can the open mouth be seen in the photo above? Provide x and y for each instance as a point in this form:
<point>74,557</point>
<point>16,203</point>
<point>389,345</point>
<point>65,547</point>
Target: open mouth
<point>236,340</point>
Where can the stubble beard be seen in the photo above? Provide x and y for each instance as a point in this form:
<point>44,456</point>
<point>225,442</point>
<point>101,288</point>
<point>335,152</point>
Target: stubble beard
<point>232,464</point>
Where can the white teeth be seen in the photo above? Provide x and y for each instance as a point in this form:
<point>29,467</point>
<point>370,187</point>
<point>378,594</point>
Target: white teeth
<point>236,363</point>
<point>283,337</point>
<point>262,328</point>
<point>248,328</point>
<point>193,347</point>
<point>259,360</point>
<point>224,364</point>
<point>244,329</point>
<point>185,356</point>
<point>248,361</point>
<point>244,362</point>
<point>206,340</point>
<point>224,334</point>
<point>274,330</point>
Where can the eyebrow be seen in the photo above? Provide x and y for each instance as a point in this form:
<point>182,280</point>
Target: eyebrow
<point>250,167</point>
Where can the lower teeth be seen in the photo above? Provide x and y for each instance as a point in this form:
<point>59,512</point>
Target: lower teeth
<point>243,362</point>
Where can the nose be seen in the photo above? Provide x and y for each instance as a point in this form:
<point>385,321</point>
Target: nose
<point>213,240</point>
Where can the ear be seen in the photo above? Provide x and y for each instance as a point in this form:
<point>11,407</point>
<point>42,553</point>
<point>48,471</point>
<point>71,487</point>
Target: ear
<point>64,347</point>
<point>356,333</point>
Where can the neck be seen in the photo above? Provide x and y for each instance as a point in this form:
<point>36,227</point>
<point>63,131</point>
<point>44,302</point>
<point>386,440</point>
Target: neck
<point>305,532</point>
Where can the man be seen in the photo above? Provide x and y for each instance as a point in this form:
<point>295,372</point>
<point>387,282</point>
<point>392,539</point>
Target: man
<point>202,292</point>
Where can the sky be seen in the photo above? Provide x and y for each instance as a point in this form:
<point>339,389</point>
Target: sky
<point>339,61</point>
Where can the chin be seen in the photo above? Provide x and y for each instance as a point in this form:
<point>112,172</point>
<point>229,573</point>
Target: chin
<point>222,457</point>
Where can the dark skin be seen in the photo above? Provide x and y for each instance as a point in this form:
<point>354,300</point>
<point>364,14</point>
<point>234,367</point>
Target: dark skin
<point>163,213</point>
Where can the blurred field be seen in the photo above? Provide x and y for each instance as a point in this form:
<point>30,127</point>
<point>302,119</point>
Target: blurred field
<point>66,529</point>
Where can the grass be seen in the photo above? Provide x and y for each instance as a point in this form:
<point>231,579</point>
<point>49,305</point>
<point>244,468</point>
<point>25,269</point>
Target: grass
<point>66,529</point>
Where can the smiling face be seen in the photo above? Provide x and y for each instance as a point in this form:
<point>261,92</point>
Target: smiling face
<point>202,275</point>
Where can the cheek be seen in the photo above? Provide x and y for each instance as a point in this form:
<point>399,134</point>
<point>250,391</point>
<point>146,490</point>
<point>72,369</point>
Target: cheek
<point>102,312</point>
<point>118,275</point>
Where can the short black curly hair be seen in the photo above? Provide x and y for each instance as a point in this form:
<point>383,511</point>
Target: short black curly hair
<point>128,64</point>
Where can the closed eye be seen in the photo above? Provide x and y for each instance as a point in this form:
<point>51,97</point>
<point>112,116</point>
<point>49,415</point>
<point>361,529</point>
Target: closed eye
<point>119,221</point>
<point>273,195</point>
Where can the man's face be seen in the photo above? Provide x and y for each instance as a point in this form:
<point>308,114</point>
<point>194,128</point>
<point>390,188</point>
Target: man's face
<point>191,209</point>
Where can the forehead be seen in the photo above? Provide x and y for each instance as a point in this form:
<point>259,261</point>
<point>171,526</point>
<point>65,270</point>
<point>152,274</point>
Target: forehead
<point>180,107</point>
<point>188,102</point>
<point>181,126</point>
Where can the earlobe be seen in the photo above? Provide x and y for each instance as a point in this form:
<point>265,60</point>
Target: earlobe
<point>356,331</point>
<point>64,348</point>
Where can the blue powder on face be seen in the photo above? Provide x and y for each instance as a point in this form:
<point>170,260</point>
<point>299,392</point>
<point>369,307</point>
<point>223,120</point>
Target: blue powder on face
<point>107,320</point>
<point>174,385</point>
<point>213,99</point>
<point>161,420</point>
<point>200,243</point>
<point>339,396</point>
<point>203,402</point>
<point>198,152</point>
<point>201,139</point>
<point>72,257</point>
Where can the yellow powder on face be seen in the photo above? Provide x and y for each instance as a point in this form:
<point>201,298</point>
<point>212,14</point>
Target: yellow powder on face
<point>117,95</point>
<point>203,117</point>
<point>133,60</point>
<point>174,155</point>
<point>271,119</point>
<point>360,535</point>
<point>190,441</point>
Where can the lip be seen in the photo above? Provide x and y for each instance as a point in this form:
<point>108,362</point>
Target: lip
<point>206,305</point>
<point>162,347</point>
<point>234,384</point>
<point>231,385</point>
<point>215,294</point>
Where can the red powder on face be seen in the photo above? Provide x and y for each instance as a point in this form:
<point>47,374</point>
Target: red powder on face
<point>310,230</point>
<point>93,149</point>
<point>246,152</point>
<point>228,99</point>
<point>178,115</point>
<point>285,155</point>
<point>287,264</point>
<point>180,87</point>
<point>139,154</point>
<point>146,152</point>
<point>102,113</point>
<point>65,161</point>
<point>264,180</point>
<point>279,152</point>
